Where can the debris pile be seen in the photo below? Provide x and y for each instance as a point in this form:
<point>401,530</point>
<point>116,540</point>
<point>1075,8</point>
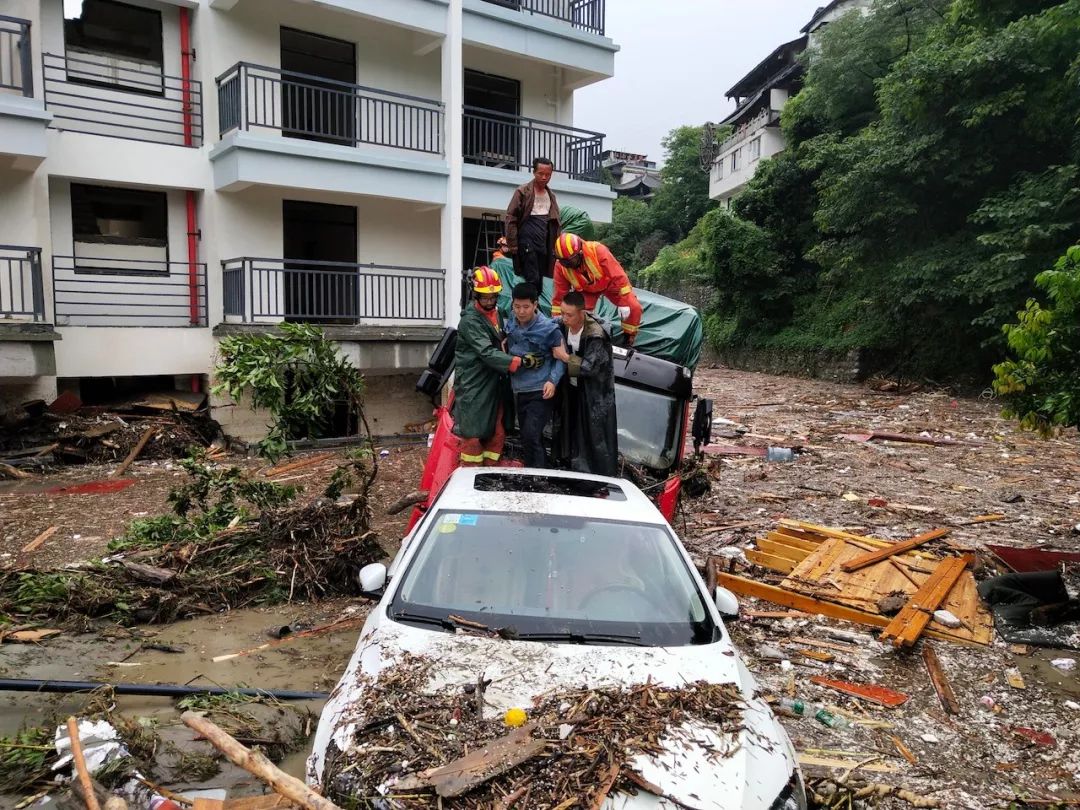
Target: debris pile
<point>35,437</point>
<point>896,586</point>
<point>232,542</point>
<point>571,748</point>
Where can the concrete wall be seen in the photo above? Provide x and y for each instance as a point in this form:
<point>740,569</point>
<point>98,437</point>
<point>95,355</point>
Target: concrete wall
<point>391,404</point>
<point>15,392</point>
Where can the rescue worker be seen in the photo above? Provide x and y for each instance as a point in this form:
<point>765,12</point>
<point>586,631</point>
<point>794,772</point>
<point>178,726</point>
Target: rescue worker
<point>481,384</point>
<point>532,223</point>
<point>591,269</point>
<point>588,436</point>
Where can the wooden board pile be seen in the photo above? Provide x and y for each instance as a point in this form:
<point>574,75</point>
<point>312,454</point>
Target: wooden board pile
<point>895,586</point>
<point>415,749</point>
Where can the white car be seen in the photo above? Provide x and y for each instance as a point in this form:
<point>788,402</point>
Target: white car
<point>599,592</point>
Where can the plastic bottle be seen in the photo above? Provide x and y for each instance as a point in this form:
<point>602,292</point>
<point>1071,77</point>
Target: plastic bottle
<point>800,708</point>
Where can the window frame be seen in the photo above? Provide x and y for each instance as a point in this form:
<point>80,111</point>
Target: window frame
<point>79,49</point>
<point>162,198</point>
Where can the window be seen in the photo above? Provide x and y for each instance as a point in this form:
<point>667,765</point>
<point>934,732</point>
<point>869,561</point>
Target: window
<point>736,160</point>
<point>755,148</point>
<point>719,169</point>
<point>115,45</point>
<point>119,229</point>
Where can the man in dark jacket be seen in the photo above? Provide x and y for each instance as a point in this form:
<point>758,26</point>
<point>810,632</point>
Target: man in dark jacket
<point>481,381</point>
<point>532,224</point>
<point>588,438</point>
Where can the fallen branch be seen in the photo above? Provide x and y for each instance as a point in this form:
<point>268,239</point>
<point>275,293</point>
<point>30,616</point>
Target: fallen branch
<point>881,791</point>
<point>413,498</point>
<point>310,461</point>
<point>134,454</point>
<point>256,763</point>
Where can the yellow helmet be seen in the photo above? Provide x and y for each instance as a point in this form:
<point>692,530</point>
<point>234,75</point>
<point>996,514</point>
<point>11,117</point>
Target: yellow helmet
<point>486,281</point>
<point>567,245</point>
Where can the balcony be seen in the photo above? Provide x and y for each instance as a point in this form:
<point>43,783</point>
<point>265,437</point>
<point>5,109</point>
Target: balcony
<point>22,117</point>
<point>585,15</point>
<point>766,118</point>
<point>513,142</point>
<point>15,65</point>
<point>298,105</point>
<point>22,295</point>
<point>271,290</point>
<point>101,290</point>
<point>118,97</point>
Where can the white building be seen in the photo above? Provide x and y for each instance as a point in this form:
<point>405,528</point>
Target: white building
<point>172,171</point>
<point>759,98</point>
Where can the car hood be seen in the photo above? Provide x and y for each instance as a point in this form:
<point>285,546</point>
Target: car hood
<point>750,770</point>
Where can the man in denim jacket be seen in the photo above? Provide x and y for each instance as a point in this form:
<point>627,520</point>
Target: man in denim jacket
<point>531,335</point>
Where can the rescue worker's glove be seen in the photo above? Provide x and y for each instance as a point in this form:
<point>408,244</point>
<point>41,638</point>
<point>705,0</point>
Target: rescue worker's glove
<point>532,361</point>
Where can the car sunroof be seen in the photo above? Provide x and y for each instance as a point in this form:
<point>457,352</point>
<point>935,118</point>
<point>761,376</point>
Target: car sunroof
<point>547,485</point>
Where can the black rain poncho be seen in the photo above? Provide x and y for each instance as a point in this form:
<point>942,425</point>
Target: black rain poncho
<point>588,439</point>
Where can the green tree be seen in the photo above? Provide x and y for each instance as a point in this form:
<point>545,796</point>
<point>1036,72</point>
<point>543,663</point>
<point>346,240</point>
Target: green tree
<point>631,225</point>
<point>1041,381</point>
<point>683,196</point>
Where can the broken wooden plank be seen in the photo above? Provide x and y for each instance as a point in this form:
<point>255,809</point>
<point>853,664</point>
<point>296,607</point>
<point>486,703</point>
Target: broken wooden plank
<point>808,604</point>
<point>255,762</point>
<point>770,561</point>
<point>780,549</point>
<point>187,401</point>
<point>871,692</point>
<point>912,619</point>
<point>310,461</point>
<point>134,454</point>
<point>941,684</point>
<point>477,767</point>
<point>889,551</point>
<point>867,764</point>
<point>37,542</point>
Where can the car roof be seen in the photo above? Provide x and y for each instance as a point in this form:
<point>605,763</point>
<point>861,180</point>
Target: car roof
<point>515,493</point>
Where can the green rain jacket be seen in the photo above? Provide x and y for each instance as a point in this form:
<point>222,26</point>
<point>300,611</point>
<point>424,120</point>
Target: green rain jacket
<point>481,375</point>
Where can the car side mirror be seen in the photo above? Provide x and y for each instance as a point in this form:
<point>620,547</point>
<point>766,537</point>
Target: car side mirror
<point>726,602</point>
<point>372,580</point>
<point>701,429</point>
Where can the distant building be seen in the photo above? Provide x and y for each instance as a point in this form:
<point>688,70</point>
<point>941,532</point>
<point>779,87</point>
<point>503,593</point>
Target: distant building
<point>759,97</point>
<point>632,175</point>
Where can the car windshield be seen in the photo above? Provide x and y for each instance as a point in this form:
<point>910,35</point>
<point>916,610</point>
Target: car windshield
<point>649,426</point>
<point>554,578</point>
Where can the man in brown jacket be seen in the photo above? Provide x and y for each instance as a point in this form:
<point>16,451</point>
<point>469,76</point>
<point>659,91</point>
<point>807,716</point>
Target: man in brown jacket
<point>532,224</point>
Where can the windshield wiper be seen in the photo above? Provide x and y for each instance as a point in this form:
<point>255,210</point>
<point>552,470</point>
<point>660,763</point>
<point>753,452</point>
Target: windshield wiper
<point>421,618</point>
<point>581,638</point>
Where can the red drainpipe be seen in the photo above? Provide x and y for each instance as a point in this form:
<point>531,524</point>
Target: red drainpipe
<point>192,225</point>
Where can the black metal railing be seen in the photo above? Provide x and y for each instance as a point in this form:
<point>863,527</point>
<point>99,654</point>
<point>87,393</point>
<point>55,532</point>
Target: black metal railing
<point>587,15</point>
<point>331,292</point>
<point>513,142</point>
<point>16,72</point>
<point>101,95</point>
<point>22,294</point>
<point>95,291</point>
<point>300,105</point>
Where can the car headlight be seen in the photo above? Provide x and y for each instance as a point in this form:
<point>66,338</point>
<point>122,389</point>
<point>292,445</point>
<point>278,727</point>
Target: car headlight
<point>793,796</point>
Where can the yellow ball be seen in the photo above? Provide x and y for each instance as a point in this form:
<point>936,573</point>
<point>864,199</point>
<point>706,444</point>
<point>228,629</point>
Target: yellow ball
<point>515,718</point>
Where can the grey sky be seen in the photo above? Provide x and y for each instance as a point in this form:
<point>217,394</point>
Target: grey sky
<point>677,59</point>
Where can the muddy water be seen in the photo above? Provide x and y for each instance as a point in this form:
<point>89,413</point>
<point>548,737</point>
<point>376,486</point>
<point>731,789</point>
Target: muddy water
<point>308,664</point>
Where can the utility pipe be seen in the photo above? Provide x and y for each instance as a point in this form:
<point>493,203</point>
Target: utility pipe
<point>154,689</point>
<point>189,140</point>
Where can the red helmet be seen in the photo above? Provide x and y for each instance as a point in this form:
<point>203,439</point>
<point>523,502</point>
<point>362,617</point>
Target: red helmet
<point>486,281</point>
<point>567,245</point>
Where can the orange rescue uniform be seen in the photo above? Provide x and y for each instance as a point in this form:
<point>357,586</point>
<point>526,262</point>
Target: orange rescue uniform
<point>599,274</point>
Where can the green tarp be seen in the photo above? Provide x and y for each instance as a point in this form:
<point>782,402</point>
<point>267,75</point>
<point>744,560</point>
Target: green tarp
<point>576,221</point>
<point>670,329</point>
